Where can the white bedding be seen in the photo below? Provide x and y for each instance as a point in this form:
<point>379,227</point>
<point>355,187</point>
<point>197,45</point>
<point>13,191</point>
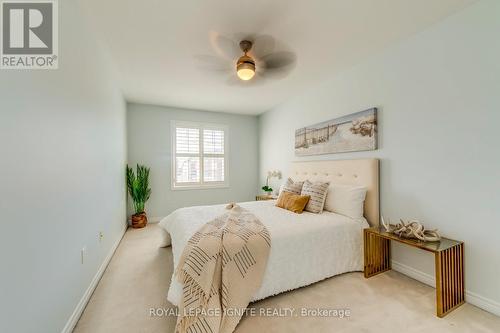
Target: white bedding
<point>305,248</point>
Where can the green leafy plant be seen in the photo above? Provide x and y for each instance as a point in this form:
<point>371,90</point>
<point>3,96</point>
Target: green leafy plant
<point>267,188</point>
<point>138,187</point>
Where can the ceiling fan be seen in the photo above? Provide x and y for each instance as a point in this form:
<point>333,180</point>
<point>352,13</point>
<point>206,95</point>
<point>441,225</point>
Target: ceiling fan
<point>245,67</point>
<point>262,59</point>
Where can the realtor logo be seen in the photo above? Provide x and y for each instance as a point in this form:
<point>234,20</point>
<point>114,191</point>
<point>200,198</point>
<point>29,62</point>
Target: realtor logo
<point>29,34</point>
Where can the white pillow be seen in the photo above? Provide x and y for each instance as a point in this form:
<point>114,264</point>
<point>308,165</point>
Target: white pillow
<point>347,200</point>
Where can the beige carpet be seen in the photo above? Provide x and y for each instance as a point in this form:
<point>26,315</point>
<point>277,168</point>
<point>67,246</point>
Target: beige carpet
<point>138,277</point>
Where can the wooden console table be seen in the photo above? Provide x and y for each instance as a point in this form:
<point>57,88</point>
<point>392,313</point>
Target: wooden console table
<point>449,261</point>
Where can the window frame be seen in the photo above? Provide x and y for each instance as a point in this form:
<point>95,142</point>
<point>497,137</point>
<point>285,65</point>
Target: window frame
<point>174,124</point>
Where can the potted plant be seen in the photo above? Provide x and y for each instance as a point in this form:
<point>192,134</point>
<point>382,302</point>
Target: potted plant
<point>270,174</point>
<point>138,188</point>
<point>267,189</point>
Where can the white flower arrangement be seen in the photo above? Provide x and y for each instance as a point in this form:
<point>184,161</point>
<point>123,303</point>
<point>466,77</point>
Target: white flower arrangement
<point>270,175</point>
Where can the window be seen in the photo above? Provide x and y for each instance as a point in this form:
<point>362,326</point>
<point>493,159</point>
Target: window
<point>199,155</point>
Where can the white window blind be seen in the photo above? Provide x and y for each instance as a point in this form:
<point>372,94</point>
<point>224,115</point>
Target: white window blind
<point>199,155</point>
<point>213,141</point>
<point>187,140</point>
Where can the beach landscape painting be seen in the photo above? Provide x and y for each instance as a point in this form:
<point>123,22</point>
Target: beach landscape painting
<point>354,132</point>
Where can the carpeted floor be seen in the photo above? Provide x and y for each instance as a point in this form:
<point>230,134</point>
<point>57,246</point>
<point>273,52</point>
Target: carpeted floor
<point>138,277</point>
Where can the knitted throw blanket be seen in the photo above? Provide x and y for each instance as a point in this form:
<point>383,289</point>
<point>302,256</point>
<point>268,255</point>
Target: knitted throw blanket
<point>221,268</point>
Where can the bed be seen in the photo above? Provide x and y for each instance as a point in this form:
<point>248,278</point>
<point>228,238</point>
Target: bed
<point>307,247</point>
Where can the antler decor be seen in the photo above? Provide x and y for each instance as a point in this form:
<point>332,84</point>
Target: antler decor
<point>412,229</point>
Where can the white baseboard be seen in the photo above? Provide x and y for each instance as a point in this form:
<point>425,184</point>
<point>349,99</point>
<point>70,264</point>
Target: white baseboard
<point>470,297</point>
<point>482,302</point>
<point>414,273</point>
<point>75,316</point>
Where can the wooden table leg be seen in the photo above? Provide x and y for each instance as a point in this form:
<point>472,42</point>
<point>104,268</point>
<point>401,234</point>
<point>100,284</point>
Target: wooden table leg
<point>377,252</point>
<point>450,288</point>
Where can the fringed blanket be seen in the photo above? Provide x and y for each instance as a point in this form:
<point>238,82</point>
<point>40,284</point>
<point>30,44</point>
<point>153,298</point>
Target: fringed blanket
<point>221,268</point>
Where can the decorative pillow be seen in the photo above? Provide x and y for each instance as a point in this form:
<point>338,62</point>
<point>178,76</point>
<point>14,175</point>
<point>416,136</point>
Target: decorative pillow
<point>292,202</point>
<point>347,200</point>
<point>317,192</point>
<point>291,186</point>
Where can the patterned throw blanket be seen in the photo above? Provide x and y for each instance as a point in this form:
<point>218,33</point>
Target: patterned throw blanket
<point>221,268</point>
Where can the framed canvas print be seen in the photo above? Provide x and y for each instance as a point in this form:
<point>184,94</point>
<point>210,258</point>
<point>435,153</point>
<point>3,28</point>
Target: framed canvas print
<point>354,132</point>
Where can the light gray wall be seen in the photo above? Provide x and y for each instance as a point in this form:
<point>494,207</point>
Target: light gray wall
<point>63,154</point>
<point>439,100</point>
<point>149,143</point>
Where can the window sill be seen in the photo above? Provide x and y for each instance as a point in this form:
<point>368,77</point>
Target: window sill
<point>198,187</point>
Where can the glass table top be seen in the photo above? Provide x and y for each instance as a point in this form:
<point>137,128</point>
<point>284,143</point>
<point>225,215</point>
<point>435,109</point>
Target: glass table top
<point>443,244</point>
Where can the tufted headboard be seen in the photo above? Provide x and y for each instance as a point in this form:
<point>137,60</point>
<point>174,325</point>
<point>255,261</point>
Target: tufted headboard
<point>362,172</point>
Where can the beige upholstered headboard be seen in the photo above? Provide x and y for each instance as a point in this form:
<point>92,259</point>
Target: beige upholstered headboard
<point>355,172</point>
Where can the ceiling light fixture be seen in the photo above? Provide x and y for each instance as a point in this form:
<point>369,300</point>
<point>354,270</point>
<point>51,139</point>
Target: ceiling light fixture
<point>245,67</point>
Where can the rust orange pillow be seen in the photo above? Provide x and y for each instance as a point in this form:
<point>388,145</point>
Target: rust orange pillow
<point>292,202</point>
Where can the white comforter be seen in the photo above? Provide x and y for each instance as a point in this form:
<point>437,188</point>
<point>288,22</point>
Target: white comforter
<point>305,248</point>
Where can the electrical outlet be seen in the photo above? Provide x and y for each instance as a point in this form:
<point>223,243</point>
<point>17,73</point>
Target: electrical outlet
<point>83,253</point>
<point>101,236</point>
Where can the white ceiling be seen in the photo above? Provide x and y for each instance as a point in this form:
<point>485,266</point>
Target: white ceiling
<point>164,49</point>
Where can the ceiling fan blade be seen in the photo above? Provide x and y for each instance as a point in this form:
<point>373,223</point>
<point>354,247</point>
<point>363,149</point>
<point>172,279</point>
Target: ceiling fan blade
<point>225,47</point>
<point>278,60</point>
<point>213,63</point>
<point>277,65</point>
<point>262,45</point>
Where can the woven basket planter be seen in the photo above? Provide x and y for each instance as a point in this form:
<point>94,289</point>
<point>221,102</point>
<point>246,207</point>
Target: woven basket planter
<point>139,220</point>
